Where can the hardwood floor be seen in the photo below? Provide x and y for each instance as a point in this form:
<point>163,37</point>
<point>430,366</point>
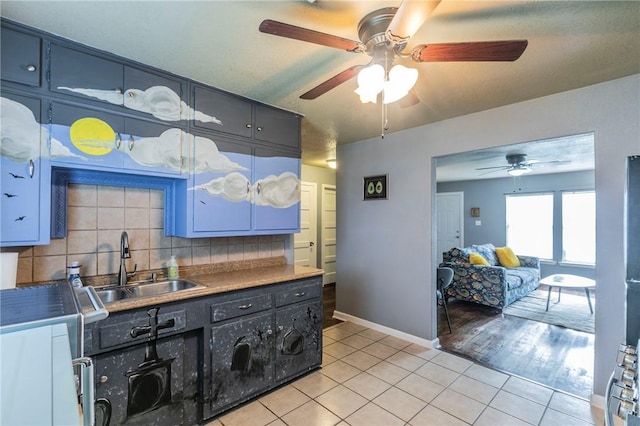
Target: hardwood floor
<point>329,305</point>
<point>555,356</point>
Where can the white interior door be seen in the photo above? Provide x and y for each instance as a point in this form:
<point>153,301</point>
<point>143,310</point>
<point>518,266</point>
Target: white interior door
<point>304,242</point>
<point>450,221</point>
<point>328,234</point>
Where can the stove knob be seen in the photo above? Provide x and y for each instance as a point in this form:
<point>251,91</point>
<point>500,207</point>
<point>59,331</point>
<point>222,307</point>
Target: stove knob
<point>627,360</point>
<point>628,349</point>
<point>625,376</point>
<point>623,392</point>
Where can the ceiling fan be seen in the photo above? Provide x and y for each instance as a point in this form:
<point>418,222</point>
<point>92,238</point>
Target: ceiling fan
<point>518,165</point>
<point>383,35</point>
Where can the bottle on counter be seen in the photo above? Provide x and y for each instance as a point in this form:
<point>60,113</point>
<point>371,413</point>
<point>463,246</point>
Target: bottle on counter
<point>74,275</point>
<point>172,270</point>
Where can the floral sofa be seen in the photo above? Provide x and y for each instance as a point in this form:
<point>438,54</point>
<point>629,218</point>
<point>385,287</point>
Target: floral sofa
<point>492,285</point>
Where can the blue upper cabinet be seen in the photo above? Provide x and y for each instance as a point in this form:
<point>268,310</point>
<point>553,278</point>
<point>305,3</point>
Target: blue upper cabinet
<point>238,189</point>
<point>97,140</point>
<point>25,180</point>
<point>125,87</point>
<point>222,112</point>
<point>276,126</point>
<point>276,197</point>
<point>20,57</point>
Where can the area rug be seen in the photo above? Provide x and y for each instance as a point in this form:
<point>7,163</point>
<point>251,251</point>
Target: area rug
<point>572,311</point>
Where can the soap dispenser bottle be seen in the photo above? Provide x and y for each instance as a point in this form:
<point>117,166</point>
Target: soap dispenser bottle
<point>172,270</point>
<point>74,275</point>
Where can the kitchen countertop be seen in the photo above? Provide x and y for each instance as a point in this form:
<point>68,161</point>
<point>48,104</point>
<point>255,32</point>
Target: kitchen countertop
<point>221,282</point>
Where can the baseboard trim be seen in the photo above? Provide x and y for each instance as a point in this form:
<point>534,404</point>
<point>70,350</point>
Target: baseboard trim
<point>431,344</point>
<point>597,401</point>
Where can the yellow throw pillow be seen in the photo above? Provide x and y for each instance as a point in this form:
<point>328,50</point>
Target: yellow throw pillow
<point>507,257</point>
<point>477,259</point>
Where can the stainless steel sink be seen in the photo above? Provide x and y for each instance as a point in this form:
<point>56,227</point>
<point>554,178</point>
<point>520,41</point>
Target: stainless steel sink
<point>134,291</point>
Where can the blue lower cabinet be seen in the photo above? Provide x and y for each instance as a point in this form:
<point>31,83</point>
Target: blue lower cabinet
<point>25,182</point>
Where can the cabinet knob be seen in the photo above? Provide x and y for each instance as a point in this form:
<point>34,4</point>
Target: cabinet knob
<point>131,142</point>
<point>269,332</point>
<point>259,128</point>
<point>103,379</point>
<point>118,141</point>
<point>31,68</point>
<point>32,168</point>
<point>118,90</point>
<point>248,126</point>
<point>280,328</point>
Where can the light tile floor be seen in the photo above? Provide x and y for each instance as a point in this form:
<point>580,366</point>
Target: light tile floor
<point>369,378</point>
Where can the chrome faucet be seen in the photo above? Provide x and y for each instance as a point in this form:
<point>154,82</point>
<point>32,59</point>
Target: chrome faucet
<point>123,275</point>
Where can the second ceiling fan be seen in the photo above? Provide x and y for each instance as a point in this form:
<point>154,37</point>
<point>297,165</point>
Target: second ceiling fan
<point>383,35</point>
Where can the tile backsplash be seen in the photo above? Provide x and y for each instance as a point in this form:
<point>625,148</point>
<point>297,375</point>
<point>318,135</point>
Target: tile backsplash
<point>96,217</point>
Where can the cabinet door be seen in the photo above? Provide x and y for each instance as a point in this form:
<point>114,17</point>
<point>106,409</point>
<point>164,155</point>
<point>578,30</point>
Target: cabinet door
<point>276,191</point>
<point>157,95</point>
<point>152,148</point>
<point>20,57</point>
<point>150,383</point>
<point>222,112</point>
<point>221,176</point>
<point>241,361</point>
<point>277,126</point>
<point>298,339</point>
<point>26,176</point>
<point>87,138</point>
<point>81,74</point>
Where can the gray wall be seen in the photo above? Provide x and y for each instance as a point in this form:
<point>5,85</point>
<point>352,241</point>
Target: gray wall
<point>321,176</point>
<point>488,194</point>
<point>386,260</point>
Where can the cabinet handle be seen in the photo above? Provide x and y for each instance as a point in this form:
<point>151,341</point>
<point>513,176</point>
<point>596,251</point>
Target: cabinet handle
<point>131,143</point>
<point>248,126</point>
<point>259,128</point>
<point>31,68</point>
<point>32,168</point>
<point>104,379</point>
<point>118,141</point>
<point>247,306</point>
<point>258,188</point>
<point>302,293</point>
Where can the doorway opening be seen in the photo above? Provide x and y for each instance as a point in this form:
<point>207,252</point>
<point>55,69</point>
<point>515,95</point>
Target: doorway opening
<point>554,355</point>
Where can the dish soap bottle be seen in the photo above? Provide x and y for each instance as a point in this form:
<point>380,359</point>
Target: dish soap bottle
<point>74,275</point>
<point>172,270</point>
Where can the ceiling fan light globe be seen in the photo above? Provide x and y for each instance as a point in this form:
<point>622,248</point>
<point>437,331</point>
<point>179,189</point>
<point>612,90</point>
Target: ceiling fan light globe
<point>519,170</point>
<point>393,92</point>
<point>403,76</point>
<point>371,78</point>
<point>366,96</point>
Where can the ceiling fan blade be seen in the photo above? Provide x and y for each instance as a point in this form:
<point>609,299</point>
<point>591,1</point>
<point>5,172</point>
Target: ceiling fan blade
<point>544,163</point>
<point>408,19</point>
<point>505,50</point>
<point>494,167</point>
<point>291,31</point>
<point>333,82</point>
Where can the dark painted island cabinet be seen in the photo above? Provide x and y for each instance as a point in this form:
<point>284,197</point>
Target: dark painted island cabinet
<point>188,361</point>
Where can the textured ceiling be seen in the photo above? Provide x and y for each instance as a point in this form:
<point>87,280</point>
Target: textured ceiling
<point>571,44</point>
